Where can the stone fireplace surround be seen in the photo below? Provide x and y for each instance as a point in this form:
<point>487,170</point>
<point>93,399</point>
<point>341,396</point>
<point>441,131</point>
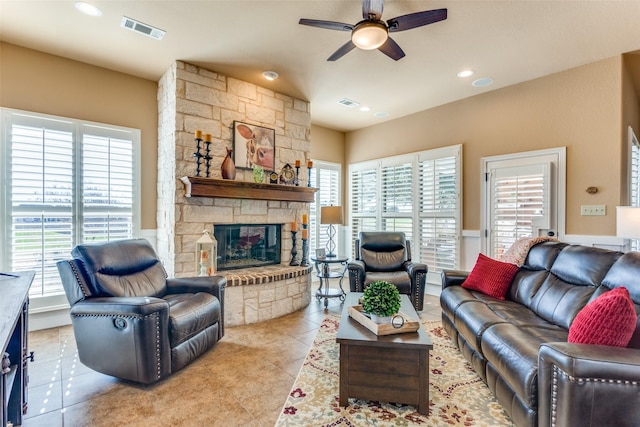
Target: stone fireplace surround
<point>191,98</point>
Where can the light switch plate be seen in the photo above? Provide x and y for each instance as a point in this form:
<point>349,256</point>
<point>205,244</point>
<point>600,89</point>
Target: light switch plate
<point>593,210</point>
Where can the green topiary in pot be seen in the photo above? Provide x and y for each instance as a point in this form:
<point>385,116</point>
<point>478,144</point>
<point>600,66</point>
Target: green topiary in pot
<point>381,298</point>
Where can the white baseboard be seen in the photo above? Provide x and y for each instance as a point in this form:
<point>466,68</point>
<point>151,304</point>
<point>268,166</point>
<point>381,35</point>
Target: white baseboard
<point>49,319</point>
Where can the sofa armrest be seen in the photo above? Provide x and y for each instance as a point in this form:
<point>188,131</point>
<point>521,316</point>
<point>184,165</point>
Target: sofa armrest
<point>418,273</point>
<point>126,337</point>
<point>453,277</point>
<point>215,285</point>
<point>581,385</point>
<point>356,275</point>
<point>212,284</point>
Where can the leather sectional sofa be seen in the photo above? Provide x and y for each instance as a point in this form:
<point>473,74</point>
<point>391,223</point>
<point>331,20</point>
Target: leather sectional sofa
<point>519,346</point>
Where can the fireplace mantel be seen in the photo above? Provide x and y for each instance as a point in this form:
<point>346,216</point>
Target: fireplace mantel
<point>225,188</point>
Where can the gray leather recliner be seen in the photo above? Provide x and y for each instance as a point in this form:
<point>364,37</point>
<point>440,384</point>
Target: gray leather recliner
<point>129,320</point>
<point>386,255</point>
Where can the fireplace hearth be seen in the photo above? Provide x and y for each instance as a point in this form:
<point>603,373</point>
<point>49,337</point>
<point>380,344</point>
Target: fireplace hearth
<point>247,245</point>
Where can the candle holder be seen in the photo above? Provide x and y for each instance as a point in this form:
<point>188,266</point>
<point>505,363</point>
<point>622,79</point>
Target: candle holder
<point>305,249</point>
<point>294,250</point>
<point>297,174</point>
<point>309,178</point>
<point>198,155</point>
<point>207,157</point>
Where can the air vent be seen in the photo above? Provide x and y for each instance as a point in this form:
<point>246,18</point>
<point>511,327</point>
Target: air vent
<point>348,103</point>
<point>139,27</point>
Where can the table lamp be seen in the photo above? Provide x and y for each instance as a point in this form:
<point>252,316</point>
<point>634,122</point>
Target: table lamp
<point>331,215</point>
<point>628,222</point>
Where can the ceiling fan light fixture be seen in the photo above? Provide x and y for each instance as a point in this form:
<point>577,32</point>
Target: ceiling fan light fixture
<point>369,35</point>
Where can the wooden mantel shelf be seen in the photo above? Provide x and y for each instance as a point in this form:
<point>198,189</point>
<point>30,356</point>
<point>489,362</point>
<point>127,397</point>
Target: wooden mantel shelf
<point>225,188</point>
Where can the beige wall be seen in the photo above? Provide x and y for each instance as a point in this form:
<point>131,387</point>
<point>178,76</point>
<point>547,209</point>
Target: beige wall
<point>578,108</point>
<point>630,116</point>
<point>328,145</point>
<point>43,83</point>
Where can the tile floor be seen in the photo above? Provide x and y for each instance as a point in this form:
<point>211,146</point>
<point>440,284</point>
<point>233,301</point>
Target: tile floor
<point>242,381</point>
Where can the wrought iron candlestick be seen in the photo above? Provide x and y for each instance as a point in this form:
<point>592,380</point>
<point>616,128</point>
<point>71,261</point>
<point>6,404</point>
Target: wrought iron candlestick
<point>309,179</point>
<point>294,250</point>
<point>297,174</point>
<point>198,155</point>
<point>207,157</point>
<point>305,249</point>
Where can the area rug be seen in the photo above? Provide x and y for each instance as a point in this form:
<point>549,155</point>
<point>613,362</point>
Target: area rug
<point>458,397</point>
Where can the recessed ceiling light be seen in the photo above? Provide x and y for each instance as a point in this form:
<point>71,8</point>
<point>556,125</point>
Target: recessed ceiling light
<point>466,73</point>
<point>365,108</point>
<point>88,9</point>
<point>485,81</point>
<point>381,114</point>
<point>270,75</point>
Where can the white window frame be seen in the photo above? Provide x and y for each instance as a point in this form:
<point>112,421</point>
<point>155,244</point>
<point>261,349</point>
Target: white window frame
<point>433,275</point>
<point>634,178</point>
<point>558,189</point>
<point>56,301</point>
<point>314,209</point>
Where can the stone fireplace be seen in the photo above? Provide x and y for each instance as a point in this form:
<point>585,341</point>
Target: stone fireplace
<point>191,98</point>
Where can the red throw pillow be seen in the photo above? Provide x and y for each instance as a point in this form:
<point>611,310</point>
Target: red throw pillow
<point>610,320</point>
<point>491,277</point>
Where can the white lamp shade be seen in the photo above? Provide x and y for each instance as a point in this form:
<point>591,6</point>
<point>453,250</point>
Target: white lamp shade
<point>369,35</point>
<point>331,215</point>
<point>628,222</point>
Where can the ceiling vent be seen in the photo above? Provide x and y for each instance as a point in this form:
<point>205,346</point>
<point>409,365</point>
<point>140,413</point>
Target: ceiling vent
<point>348,103</point>
<point>141,28</point>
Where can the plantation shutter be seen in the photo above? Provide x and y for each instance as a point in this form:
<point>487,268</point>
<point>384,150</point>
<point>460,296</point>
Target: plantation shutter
<point>364,200</point>
<point>41,199</point>
<point>635,181</point>
<point>396,182</point>
<point>439,224</point>
<point>107,185</point>
<point>326,178</point>
<point>519,204</point>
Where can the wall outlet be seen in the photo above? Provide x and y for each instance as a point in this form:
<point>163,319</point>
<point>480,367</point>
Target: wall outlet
<point>593,210</point>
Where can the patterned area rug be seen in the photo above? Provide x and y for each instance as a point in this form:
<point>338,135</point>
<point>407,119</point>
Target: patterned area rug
<point>458,397</point>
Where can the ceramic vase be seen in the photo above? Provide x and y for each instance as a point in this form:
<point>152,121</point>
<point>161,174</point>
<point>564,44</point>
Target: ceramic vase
<point>228,168</point>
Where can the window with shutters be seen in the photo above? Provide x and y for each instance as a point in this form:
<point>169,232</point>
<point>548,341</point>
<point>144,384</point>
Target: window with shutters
<point>418,194</point>
<point>634,185</point>
<point>68,182</point>
<point>522,195</point>
<point>326,177</point>
<point>518,204</point>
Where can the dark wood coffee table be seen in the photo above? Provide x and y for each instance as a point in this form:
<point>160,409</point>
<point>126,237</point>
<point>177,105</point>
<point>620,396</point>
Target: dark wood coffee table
<point>391,368</point>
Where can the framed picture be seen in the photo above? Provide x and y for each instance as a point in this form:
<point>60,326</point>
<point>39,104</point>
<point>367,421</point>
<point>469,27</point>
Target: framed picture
<point>253,145</point>
<point>320,253</point>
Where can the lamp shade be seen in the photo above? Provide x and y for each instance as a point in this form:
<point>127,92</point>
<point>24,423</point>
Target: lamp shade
<point>628,222</point>
<point>369,35</point>
<point>331,215</point>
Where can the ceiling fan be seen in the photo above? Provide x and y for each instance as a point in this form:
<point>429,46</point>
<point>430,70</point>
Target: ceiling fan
<point>373,33</point>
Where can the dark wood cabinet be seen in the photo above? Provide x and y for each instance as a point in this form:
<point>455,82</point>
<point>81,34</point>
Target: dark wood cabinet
<point>14,314</point>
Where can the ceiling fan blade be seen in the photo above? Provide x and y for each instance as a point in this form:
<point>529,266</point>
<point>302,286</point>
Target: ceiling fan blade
<point>328,25</point>
<point>372,9</point>
<point>392,49</point>
<point>342,51</point>
<point>418,19</point>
